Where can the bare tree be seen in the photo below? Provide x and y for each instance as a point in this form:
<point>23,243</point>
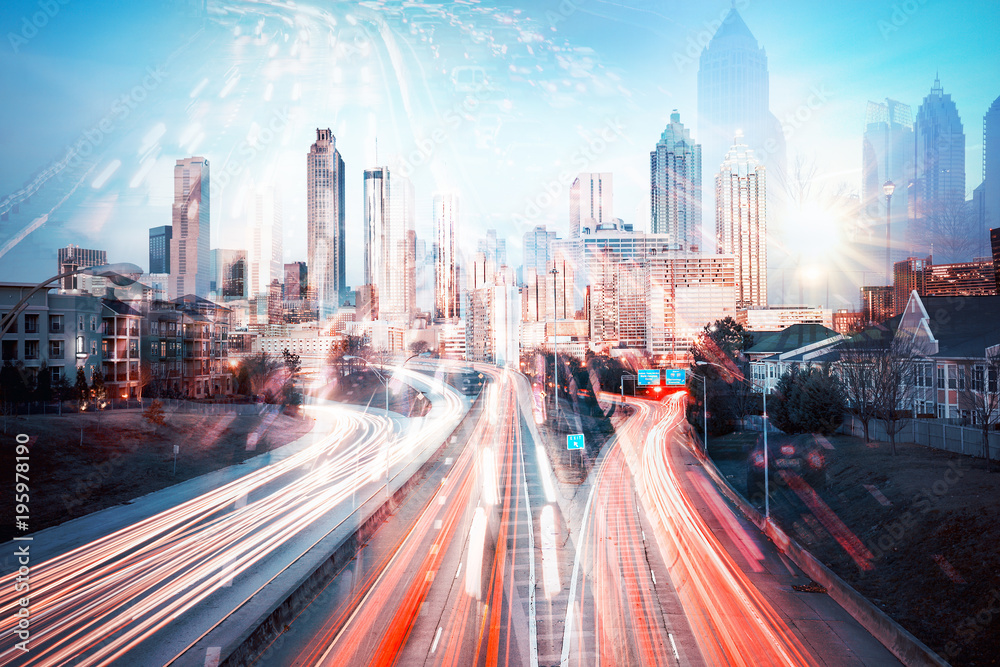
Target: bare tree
<point>982,395</point>
<point>949,230</point>
<point>262,369</point>
<point>895,376</point>
<point>859,359</point>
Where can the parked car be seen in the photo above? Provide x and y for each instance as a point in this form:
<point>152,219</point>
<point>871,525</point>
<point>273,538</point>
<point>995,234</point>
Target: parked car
<point>800,454</point>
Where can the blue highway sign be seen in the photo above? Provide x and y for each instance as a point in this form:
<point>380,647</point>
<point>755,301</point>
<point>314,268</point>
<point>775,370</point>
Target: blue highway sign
<point>675,376</point>
<point>649,376</point>
<point>574,441</point>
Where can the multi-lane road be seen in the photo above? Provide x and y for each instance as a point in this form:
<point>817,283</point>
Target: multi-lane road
<point>485,558</point>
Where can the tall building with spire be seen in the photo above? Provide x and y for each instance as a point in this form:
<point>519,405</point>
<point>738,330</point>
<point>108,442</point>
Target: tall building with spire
<point>939,183</point>
<point>675,186</point>
<point>190,256</point>
<point>741,222</point>
<point>325,248</point>
<point>447,298</point>
<point>390,243</point>
<point>591,201</point>
<point>887,155</point>
<point>733,94</point>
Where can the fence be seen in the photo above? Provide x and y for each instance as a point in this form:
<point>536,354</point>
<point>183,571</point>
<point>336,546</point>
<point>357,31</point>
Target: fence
<point>169,405</point>
<point>930,433</point>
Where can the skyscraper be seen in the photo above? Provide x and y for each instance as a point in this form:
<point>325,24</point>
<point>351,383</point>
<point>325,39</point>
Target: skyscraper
<point>190,258</point>
<point>159,249</point>
<point>494,247</point>
<point>591,201</point>
<point>389,243</point>
<point>447,299</point>
<point>741,222</point>
<point>325,223</point>
<point>675,186</point>
<point>733,94</point>
<point>939,185</point>
<point>887,155</point>
<point>264,235</point>
<point>990,188</point>
<point>539,248</point>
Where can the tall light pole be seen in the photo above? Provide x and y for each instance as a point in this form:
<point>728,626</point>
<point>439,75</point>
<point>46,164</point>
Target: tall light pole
<point>888,188</point>
<point>555,340</point>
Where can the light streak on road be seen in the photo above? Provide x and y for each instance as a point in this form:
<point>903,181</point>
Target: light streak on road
<point>97,602</point>
<point>550,558</point>
<point>733,622</point>
<point>477,543</point>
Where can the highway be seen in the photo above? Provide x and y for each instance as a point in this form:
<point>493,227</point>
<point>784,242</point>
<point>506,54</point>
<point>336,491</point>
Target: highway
<point>143,592</point>
<point>487,559</point>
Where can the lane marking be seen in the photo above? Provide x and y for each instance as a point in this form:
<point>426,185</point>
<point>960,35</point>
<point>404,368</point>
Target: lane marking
<point>653,575</point>
<point>878,495</point>
<point>437,636</point>
<point>568,628</point>
<point>677,655</point>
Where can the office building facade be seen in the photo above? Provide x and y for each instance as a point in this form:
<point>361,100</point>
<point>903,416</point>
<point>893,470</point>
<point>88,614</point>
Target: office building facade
<point>325,244</point>
<point>190,256</point>
<point>675,186</point>
<point>741,222</point>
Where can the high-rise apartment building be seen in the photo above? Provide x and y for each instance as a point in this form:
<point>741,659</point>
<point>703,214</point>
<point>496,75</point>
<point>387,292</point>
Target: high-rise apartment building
<point>190,256</point>
<point>733,95</point>
<point>741,222</point>
<point>390,243</point>
<point>939,185</point>
<point>887,155</point>
<point>325,247</point>
<point>675,186</point>
<point>591,201</point>
<point>447,297</point>
<point>159,249</point>
<point>876,303</point>
<point>72,258</point>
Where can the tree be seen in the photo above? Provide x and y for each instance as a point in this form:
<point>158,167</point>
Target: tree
<point>895,378</point>
<point>154,415</point>
<point>808,400</point>
<point>293,365</point>
<point>419,347</point>
<point>80,389</point>
<point>43,388</point>
<point>950,228</point>
<point>860,357</point>
<point>726,372</point>
<point>261,371</point>
<point>97,387</point>
<point>982,395</point>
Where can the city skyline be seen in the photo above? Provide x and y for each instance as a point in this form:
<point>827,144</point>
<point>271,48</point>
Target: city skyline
<point>816,97</point>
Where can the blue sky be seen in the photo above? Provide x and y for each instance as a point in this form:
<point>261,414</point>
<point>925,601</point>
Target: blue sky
<point>571,70</point>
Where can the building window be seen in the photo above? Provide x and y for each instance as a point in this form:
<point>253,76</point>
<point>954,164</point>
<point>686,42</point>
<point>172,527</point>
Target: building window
<point>80,324</point>
<point>93,347</point>
<point>56,349</point>
<point>31,349</point>
<point>13,325</point>
<point>56,374</point>
<point>31,323</point>
<point>93,323</point>
<point>961,378</point>
<point>978,376</point>
<point>9,350</point>
<point>940,373</point>
<point>952,377</point>
<point>80,349</point>
<point>55,323</point>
